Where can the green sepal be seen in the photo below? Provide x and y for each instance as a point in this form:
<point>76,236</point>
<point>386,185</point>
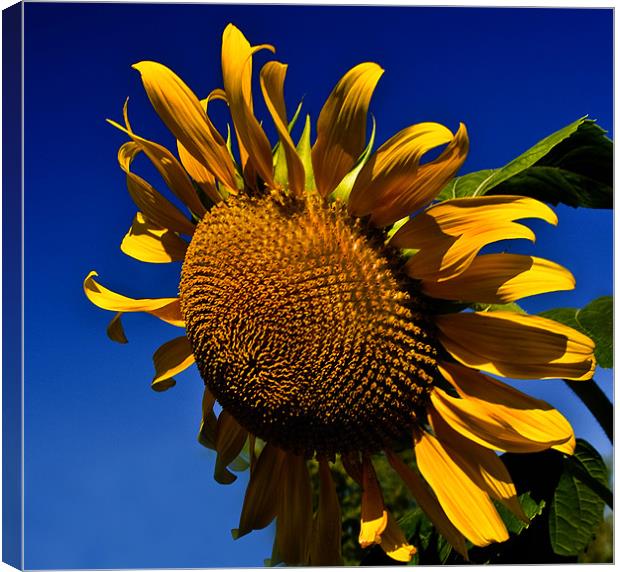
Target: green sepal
<point>305,154</point>
<point>280,168</point>
<point>343,190</point>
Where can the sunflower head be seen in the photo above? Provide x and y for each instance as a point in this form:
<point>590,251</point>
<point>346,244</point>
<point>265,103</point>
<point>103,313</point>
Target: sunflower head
<point>325,318</point>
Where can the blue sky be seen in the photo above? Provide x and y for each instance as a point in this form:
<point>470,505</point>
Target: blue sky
<point>114,475</point>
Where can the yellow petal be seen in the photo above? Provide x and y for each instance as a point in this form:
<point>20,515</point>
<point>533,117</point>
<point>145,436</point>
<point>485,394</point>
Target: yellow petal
<point>326,549</point>
<point>154,206</point>
<point>171,358</point>
<point>498,416</point>
<point>394,543</point>
<point>450,234</point>
<point>272,84</point>
<point>294,525</point>
<point>374,515</point>
<point>341,128</point>
<point>427,182</point>
<point>502,278</point>
<point>115,329</point>
<point>517,345</point>
<point>179,108</point>
<point>237,75</point>
<point>261,495</point>
<point>167,165</point>
<point>389,185</point>
<point>208,423</point>
<point>428,503</point>
<point>467,506</point>
<point>202,177</point>
<point>229,440</point>
<point>482,465</point>
<point>166,309</point>
<point>148,242</point>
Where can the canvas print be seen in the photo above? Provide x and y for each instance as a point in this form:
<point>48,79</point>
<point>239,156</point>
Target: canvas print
<point>315,285</point>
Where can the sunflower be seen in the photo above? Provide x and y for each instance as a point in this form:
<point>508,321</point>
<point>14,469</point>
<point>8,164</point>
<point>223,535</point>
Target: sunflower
<point>330,323</point>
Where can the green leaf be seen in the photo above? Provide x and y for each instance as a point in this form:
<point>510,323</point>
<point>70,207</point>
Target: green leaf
<point>573,166</point>
<point>510,307</point>
<point>530,507</point>
<point>596,321</point>
<point>576,509</point>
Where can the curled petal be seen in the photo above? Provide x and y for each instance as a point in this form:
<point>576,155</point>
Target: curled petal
<point>167,166</point>
<point>229,440</point>
<point>465,503</point>
<point>393,184</point>
<point>341,128</point>
<point>502,278</point>
<point>115,329</point>
<point>166,309</point>
<point>237,73</point>
<point>498,416</point>
<point>374,515</point>
<point>148,242</point>
<point>208,423</point>
<point>181,111</point>
<point>394,543</point>
<point>517,345</point>
<point>272,83</point>
<point>450,234</point>
<point>154,206</point>
<point>171,358</point>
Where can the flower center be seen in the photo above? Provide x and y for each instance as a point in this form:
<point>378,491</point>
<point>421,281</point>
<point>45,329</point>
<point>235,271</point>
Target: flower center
<point>301,328</point>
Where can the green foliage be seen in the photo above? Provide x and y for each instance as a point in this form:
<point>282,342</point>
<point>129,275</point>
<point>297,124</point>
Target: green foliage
<point>573,166</point>
<point>577,509</point>
<point>596,321</point>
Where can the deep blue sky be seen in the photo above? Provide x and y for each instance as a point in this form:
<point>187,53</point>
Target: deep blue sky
<point>114,475</point>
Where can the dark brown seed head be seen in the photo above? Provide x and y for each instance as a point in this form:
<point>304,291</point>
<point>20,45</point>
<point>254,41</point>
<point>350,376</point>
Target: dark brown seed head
<point>301,329</point>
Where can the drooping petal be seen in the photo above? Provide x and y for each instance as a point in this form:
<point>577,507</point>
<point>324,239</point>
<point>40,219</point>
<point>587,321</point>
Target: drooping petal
<point>516,345</point>
<point>237,74</point>
<point>148,242</point>
<point>115,329</point>
<point>498,416</point>
<point>482,465</point>
<point>154,206</point>
<point>502,278</point>
<point>171,358</point>
<point>393,184</point>
<point>294,524</point>
<point>466,504</point>
<point>208,423</point>
<point>450,234</point>
<point>428,503</point>
<point>341,127</point>
<point>229,440</point>
<point>394,543</point>
<point>167,165</point>
<point>374,515</point>
<point>261,496</point>
<point>179,108</point>
<point>166,309</point>
<point>326,549</point>
<point>272,84</point>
